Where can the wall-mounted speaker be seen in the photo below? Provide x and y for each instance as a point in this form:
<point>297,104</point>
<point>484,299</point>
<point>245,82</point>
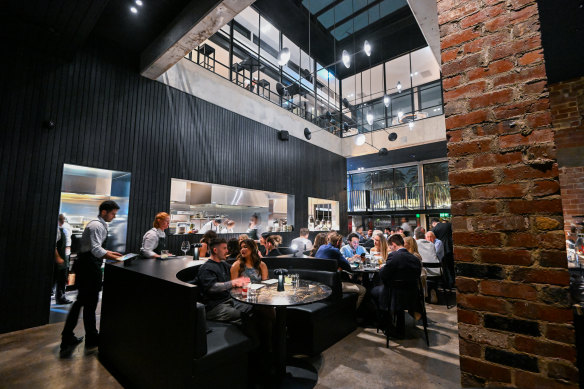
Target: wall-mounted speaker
<point>283,135</point>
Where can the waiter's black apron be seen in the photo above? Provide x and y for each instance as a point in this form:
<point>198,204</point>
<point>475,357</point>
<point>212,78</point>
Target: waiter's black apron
<point>161,245</point>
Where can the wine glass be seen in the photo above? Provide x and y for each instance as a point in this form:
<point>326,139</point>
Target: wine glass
<point>185,247</point>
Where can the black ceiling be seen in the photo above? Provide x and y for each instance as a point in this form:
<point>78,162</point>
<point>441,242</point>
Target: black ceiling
<point>398,156</point>
<point>562,26</point>
<point>56,28</point>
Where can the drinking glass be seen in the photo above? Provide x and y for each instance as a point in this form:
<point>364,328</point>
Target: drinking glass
<point>185,246</point>
<point>164,254</point>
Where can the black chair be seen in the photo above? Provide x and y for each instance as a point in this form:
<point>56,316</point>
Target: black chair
<point>439,283</point>
<point>414,286</point>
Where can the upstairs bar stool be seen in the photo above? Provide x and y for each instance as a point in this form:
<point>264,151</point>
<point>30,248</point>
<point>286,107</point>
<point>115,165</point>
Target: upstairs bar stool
<point>208,53</point>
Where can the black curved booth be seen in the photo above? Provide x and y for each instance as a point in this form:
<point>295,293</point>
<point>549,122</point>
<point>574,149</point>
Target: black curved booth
<point>154,333</point>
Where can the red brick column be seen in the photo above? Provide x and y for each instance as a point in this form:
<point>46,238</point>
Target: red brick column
<point>515,321</point>
<point>567,105</point>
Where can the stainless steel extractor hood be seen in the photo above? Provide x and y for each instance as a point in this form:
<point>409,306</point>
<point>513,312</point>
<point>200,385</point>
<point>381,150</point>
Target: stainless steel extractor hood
<point>208,194</point>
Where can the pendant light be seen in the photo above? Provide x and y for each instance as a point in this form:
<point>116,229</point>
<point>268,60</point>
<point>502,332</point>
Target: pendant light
<point>386,101</point>
<point>346,59</point>
<point>370,118</point>
<point>367,48</point>
<point>360,140</point>
<point>411,125</point>
<point>284,56</point>
<point>399,86</point>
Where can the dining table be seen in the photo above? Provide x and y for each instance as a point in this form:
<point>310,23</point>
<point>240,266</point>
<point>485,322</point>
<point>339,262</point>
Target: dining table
<point>266,294</point>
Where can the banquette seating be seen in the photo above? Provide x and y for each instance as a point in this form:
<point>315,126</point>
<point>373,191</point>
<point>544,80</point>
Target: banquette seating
<point>154,334</point>
<point>314,327</point>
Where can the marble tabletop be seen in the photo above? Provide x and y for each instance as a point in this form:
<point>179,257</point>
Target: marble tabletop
<point>307,292</point>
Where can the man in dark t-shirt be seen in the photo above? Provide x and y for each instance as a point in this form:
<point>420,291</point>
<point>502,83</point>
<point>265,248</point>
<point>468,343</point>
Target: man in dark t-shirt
<point>214,279</point>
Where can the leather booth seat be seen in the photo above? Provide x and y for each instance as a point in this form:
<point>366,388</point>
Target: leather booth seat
<point>312,328</point>
<point>154,335</point>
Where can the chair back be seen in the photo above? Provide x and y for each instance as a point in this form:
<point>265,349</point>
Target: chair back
<point>294,263</point>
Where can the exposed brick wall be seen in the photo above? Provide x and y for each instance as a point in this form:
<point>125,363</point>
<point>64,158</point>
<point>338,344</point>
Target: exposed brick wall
<point>515,322</point>
<point>567,107</point>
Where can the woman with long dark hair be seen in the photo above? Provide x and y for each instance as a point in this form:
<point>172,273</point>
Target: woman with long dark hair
<point>319,240</point>
<point>249,264</point>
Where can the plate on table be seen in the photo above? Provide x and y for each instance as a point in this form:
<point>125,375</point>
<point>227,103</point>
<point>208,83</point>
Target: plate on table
<point>270,281</point>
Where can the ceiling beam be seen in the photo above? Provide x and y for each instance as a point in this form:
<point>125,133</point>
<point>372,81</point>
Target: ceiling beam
<point>197,22</point>
<point>328,7</point>
<point>426,14</point>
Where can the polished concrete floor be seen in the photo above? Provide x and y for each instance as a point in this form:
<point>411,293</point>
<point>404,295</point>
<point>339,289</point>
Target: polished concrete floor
<point>30,359</point>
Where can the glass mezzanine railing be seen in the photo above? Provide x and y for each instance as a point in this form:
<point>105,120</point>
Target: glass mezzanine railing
<point>299,100</point>
<point>414,197</point>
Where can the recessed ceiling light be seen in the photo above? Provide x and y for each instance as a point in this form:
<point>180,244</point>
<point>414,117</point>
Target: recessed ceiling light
<point>139,3</point>
<point>133,10</point>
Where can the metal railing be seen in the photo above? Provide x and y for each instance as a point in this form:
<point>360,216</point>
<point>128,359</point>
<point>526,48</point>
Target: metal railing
<point>437,196</point>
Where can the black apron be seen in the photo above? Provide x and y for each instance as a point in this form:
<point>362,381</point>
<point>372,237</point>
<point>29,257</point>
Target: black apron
<point>161,244</point>
<point>87,269</point>
<point>61,246</point>
<point>253,234</point>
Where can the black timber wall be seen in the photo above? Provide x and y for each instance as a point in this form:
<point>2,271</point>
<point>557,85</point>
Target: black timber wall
<point>108,116</point>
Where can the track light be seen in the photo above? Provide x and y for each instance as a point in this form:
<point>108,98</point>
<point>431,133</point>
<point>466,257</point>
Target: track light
<point>346,59</point>
<point>386,101</point>
<point>399,86</point>
<point>367,48</point>
<point>284,56</point>
<point>360,140</point>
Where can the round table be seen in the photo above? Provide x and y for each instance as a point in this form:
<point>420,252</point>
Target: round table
<point>268,296</point>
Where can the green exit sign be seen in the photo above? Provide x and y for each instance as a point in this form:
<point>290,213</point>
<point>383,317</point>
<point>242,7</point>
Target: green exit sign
<point>417,215</point>
<point>444,215</point>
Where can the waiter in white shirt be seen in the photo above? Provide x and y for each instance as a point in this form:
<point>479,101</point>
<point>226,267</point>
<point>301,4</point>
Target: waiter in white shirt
<point>211,225</point>
<point>154,240</point>
<point>88,279</point>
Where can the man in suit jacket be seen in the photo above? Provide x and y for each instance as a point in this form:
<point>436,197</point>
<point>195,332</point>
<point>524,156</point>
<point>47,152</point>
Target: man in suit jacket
<point>443,231</point>
<point>403,266</point>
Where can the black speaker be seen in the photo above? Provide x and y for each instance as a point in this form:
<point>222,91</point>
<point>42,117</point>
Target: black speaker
<point>307,134</point>
<point>392,136</point>
<point>383,151</point>
<point>283,135</point>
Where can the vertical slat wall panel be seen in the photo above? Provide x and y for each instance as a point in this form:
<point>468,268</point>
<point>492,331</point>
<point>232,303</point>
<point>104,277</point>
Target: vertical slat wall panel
<point>108,116</point>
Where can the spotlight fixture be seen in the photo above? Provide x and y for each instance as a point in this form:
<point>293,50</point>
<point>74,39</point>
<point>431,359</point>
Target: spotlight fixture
<point>283,135</point>
<point>399,86</point>
<point>367,48</point>
<point>284,56</point>
<point>307,134</point>
<point>360,140</point>
<point>386,101</point>
<point>383,151</point>
<point>346,59</point>
<point>392,137</point>
<point>370,118</point>
<point>411,125</point>
<point>134,10</point>
<point>139,3</point>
